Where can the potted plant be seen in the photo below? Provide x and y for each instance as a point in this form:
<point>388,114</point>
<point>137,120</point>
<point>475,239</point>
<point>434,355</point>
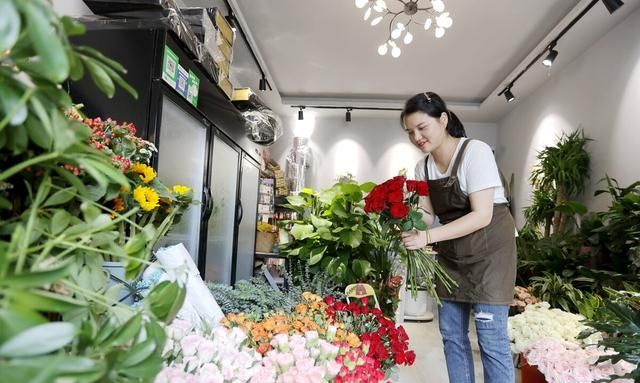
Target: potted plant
<point>58,321</point>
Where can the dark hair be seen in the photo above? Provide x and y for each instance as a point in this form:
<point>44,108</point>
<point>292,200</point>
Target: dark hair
<point>433,105</point>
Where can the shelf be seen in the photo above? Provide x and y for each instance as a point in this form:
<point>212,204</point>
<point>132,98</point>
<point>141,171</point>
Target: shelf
<point>260,254</point>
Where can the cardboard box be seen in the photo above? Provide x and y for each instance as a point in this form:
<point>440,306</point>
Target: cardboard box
<point>265,242</point>
<point>223,69</point>
<point>221,24</point>
<point>226,86</point>
<point>223,45</point>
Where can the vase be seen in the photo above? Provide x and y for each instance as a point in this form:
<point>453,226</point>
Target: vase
<point>420,308</point>
<point>529,373</point>
<point>128,295</point>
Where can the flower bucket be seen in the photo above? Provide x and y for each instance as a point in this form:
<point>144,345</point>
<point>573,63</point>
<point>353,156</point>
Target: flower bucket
<point>116,271</point>
<point>530,374</point>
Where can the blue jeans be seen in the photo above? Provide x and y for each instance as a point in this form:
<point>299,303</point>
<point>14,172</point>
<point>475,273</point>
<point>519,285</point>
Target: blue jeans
<point>491,327</point>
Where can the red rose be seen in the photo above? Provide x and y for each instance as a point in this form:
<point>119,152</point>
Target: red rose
<point>329,300</point>
<point>399,210</point>
<point>412,185</point>
<point>396,183</point>
<point>395,196</point>
<point>374,201</point>
<point>422,188</point>
<point>411,357</point>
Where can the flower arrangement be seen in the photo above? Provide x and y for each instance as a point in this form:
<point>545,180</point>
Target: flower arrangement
<point>396,201</point>
<point>522,297</point>
<point>216,357</point>
<point>568,362</point>
<point>387,344</point>
<point>157,205</point>
<point>539,321</point>
<point>357,366</point>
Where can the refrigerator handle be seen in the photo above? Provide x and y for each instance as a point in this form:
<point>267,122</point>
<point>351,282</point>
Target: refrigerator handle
<point>208,202</point>
<point>240,212</point>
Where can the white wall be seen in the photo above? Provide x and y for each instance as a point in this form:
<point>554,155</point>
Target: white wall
<point>371,149</point>
<point>598,92</point>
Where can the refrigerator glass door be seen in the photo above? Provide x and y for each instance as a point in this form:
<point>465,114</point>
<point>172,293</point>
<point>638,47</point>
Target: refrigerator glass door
<point>181,161</point>
<point>224,185</point>
<point>247,227</point>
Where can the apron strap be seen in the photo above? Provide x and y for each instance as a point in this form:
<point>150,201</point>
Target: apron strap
<point>456,165</point>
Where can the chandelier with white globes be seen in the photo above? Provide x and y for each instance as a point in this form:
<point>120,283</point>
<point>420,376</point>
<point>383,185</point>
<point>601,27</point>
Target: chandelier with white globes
<point>410,13</point>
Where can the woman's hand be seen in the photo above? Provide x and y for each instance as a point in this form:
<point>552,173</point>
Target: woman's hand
<point>414,239</point>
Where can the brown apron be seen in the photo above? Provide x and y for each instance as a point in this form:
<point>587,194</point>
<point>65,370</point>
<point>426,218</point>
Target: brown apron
<point>483,263</point>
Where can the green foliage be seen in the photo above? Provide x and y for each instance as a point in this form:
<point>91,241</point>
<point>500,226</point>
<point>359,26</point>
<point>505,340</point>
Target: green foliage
<point>557,291</point>
<point>302,279</point>
<point>561,172</point>
<point>333,232</point>
<point>619,233</point>
<point>620,321</point>
<point>254,296</point>
<point>53,233</point>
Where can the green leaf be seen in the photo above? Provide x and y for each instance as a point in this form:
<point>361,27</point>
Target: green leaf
<point>99,76</point>
<point>407,225</point>
<point>38,340</point>
<point>351,238</point>
<point>10,101</point>
<point>361,268</point>
<point>139,353</point>
<point>9,25</point>
<point>125,333</point>
<point>316,255</point>
<point>296,200</point>
<point>327,196</point>
<point>72,27</point>
<point>46,42</point>
<point>146,370</point>
<point>37,133</point>
<point>60,197</point>
<point>60,221</point>
<point>299,231</point>
<point>104,59</point>
<point>76,68</point>
<point>5,204</point>
<point>43,300</point>
<point>320,222</point>
<point>39,278</point>
<point>63,137</point>
<point>109,170</point>
<point>420,225</point>
<point>116,77</point>
<point>367,186</point>
<point>13,321</point>
<point>165,300</point>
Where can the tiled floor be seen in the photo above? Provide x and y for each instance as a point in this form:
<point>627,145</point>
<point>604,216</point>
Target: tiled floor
<point>430,366</point>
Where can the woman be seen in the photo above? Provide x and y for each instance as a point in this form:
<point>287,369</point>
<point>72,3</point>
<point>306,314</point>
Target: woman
<point>475,243</point>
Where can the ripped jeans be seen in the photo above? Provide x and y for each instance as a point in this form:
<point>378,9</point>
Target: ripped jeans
<point>491,327</point>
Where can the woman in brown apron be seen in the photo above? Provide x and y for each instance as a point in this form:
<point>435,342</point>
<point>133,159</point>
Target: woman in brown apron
<point>475,242</point>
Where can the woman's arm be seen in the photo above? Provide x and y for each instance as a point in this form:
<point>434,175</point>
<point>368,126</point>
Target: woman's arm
<point>479,217</point>
<point>424,204</point>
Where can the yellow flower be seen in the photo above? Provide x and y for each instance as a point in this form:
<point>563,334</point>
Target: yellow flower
<point>146,197</point>
<point>147,174</point>
<point>181,189</point>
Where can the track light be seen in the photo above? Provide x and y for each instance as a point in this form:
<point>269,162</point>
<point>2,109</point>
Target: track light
<point>612,5</point>
<point>263,84</point>
<point>508,95</point>
<point>548,61</point>
<point>301,114</point>
<point>347,116</point>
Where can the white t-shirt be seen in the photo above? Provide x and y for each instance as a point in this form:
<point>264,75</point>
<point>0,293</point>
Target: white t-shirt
<point>478,170</point>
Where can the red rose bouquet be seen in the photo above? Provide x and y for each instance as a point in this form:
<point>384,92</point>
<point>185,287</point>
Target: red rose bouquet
<point>396,202</point>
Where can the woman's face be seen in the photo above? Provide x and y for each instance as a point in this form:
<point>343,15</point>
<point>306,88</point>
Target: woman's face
<point>426,132</point>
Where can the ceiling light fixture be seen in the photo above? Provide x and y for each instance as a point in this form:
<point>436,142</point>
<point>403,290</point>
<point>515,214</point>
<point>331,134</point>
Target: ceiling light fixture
<point>509,95</point>
<point>548,61</point>
<point>347,116</point>
<point>410,12</point>
<point>611,5</point>
<point>301,113</point>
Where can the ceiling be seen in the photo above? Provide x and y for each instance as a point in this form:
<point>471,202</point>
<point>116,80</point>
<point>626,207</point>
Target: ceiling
<point>324,53</point>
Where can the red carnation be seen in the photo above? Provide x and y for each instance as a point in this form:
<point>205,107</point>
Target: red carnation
<point>399,210</point>
<point>422,188</point>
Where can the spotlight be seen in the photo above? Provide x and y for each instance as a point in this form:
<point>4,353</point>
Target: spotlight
<point>347,116</point>
<point>263,84</point>
<point>548,61</point>
<point>301,114</point>
<point>612,5</point>
<point>508,95</point>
